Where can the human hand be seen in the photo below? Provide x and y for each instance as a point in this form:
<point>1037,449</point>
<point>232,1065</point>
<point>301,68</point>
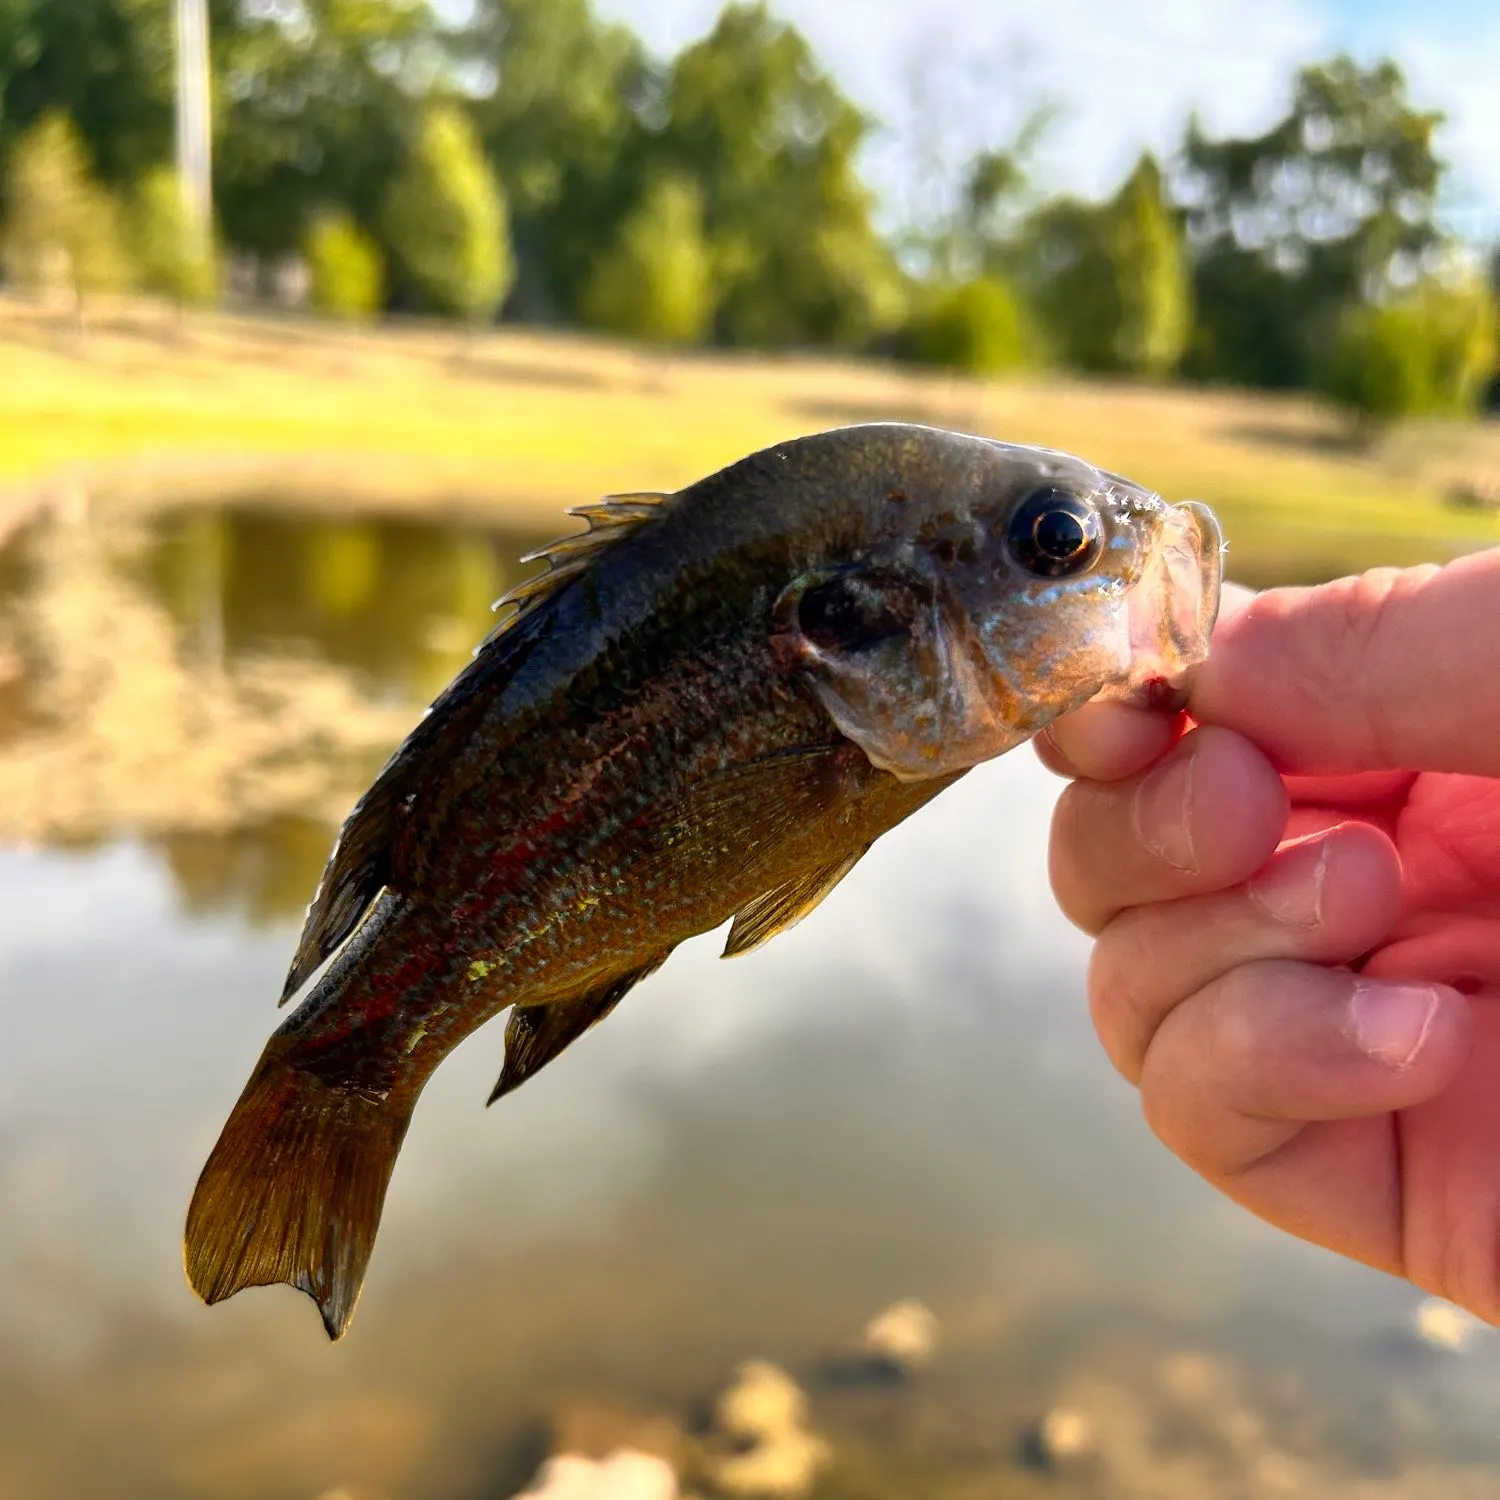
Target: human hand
<point>1297,914</point>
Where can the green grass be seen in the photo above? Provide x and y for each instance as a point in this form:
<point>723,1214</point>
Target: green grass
<point>516,426</point>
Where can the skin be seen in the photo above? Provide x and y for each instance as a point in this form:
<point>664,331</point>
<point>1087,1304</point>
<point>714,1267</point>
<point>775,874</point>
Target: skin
<point>1294,892</point>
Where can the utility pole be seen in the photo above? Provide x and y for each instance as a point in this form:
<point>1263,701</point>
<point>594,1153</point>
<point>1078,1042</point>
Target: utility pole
<point>194,151</point>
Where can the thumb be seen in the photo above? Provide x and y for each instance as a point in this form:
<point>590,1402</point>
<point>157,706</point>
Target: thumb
<point>1394,669</point>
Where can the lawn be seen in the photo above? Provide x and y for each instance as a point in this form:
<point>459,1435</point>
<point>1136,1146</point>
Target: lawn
<point>516,425</point>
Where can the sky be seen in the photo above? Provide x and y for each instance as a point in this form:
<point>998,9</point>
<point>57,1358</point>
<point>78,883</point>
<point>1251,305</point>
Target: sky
<point>1125,73</point>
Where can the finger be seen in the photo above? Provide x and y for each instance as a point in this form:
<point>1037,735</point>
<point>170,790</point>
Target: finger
<point>1274,1083</point>
<point>1381,792</point>
<point>1327,899</point>
<point>1107,741</point>
<point>1205,817</point>
<point>1392,669</point>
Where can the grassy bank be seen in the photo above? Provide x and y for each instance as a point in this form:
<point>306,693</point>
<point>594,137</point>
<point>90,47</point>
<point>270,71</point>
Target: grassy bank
<point>518,425</point>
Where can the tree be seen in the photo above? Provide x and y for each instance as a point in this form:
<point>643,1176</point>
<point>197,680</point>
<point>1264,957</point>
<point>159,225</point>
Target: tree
<point>1149,254</point>
<point>560,110</point>
<point>1333,205</point>
<point>977,326</point>
<point>315,101</point>
<point>106,64</point>
<point>656,281</point>
<point>171,255</point>
<point>445,220</point>
<point>1428,351</point>
<point>752,117</point>
<point>347,271</point>
<point>1111,281</point>
<point>62,228</point>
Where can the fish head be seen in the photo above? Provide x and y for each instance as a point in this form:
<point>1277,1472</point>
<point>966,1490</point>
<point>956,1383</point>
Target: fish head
<point>979,617</point>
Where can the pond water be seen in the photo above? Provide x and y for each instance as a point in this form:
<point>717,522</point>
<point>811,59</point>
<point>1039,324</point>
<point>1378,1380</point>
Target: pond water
<point>900,1098</point>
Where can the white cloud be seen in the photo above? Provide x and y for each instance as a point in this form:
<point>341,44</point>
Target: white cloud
<point>1126,72</point>
<point>1458,76</point>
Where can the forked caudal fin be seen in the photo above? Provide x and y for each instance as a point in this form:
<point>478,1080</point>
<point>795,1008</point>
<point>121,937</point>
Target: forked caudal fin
<point>293,1190</point>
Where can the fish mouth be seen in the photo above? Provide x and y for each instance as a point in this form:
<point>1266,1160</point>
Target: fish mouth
<point>1173,607</point>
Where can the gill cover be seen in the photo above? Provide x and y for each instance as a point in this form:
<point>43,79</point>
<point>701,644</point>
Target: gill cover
<point>894,667</point>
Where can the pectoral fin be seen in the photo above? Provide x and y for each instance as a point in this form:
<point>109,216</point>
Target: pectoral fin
<point>784,906</point>
<point>535,1034</point>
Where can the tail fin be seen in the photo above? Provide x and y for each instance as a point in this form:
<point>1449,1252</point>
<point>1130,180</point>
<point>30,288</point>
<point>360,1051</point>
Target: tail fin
<point>293,1190</point>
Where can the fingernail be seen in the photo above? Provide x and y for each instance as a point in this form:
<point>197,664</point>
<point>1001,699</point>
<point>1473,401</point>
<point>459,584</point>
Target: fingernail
<point>1391,1020</point>
<point>1290,888</point>
<point>1164,813</point>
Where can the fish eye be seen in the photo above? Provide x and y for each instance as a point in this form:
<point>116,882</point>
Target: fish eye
<point>853,612</point>
<point>1054,534</point>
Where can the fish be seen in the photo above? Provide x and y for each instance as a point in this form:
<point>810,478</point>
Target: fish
<point>705,709</point>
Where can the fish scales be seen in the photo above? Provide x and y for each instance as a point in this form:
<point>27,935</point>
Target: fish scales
<point>712,711</point>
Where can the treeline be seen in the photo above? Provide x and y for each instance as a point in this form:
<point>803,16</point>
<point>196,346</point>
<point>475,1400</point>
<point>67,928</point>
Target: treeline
<point>534,161</point>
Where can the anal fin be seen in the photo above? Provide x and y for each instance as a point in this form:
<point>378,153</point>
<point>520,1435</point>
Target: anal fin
<point>784,905</point>
<point>535,1034</point>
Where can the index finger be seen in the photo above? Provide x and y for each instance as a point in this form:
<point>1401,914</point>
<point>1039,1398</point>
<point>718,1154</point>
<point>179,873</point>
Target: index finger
<point>1396,668</point>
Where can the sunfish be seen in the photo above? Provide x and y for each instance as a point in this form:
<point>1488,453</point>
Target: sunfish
<point>708,707</point>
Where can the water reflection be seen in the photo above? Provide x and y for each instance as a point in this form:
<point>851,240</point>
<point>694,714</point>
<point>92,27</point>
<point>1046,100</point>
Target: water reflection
<point>223,683</point>
<point>900,1097</point>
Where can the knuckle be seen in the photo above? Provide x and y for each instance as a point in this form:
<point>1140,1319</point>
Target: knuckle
<point>1363,617</point>
<point>1068,857</point>
<point>1123,1001</point>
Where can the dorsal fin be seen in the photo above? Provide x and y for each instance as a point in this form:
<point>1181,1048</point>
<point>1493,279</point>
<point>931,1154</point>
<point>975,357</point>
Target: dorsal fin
<point>570,555</point>
<point>362,863</point>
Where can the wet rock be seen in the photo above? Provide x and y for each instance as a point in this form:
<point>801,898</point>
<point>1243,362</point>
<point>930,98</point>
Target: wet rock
<point>905,1335</point>
<point>787,1465</point>
<point>623,1475</point>
<point>896,1345</point>
<point>594,1427</point>
<point>1064,1440</point>
<point>763,1445</point>
<point>763,1402</point>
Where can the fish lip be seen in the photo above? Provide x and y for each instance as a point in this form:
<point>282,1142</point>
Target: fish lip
<point>1190,563</point>
<point>1210,550</point>
<point>1172,609</point>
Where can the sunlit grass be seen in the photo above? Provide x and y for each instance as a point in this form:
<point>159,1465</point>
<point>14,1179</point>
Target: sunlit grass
<point>518,425</point>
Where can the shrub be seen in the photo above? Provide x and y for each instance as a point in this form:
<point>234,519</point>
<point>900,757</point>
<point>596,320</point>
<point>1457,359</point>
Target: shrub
<point>171,257</point>
<point>655,281</point>
<point>63,229</point>
<point>445,220</point>
<point>977,326</point>
<point>345,267</point>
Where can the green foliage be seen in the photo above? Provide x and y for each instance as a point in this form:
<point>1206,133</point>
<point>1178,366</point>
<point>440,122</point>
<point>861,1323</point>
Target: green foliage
<point>347,271</point>
<point>754,119</point>
<point>1152,280</point>
<point>1325,209</point>
<point>172,256</point>
<point>62,228</point>
<point>561,127</point>
<point>656,281</point>
<point>315,102</point>
<point>445,220</point>
<point>977,326</point>
<point>106,64</point>
<point>1111,282</point>
<point>1428,352</point>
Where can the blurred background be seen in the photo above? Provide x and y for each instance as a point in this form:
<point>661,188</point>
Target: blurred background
<point>315,314</point>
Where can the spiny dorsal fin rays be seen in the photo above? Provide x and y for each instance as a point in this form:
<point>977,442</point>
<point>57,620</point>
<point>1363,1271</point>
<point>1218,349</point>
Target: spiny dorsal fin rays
<point>568,556</point>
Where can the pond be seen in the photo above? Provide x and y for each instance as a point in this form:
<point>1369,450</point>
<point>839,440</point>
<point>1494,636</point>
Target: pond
<point>900,1098</point>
